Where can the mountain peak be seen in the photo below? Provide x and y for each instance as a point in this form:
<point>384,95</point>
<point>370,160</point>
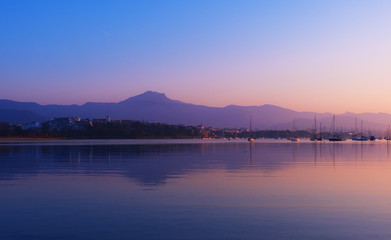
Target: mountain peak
<point>274,107</point>
<point>149,96</point>
<point>152,94</point>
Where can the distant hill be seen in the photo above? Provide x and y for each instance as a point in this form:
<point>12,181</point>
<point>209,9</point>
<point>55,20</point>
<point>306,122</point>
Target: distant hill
<point>157,107</point>
<point>20,116</point>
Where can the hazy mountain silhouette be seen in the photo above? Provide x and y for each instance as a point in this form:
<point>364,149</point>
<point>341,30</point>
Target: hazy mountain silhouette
<point>20,116</point>
<point>157,107</point>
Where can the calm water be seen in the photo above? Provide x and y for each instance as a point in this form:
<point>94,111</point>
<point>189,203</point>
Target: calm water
<point>195,190</point>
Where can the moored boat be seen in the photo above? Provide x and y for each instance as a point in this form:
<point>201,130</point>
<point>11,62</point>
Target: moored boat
<point>316,138</point>
<point>361,137</point>
<point>335,137</point>
<point>293,138</point>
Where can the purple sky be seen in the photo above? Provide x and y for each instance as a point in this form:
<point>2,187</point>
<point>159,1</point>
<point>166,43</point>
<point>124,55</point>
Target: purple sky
<point>332,56</point>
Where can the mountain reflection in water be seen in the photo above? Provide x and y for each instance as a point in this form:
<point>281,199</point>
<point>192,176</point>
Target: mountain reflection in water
<point>231,190</point>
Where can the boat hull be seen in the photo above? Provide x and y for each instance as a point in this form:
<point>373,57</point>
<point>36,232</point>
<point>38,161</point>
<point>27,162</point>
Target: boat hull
<point>336,139</point>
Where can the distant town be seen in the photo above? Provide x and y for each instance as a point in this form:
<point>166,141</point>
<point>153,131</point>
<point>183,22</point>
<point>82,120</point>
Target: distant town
<point>83,128</point>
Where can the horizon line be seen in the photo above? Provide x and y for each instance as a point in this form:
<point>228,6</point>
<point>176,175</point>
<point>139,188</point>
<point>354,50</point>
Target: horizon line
<point>164,94</point>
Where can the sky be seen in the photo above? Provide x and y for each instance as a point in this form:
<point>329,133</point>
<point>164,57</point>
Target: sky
<point>323,56</point>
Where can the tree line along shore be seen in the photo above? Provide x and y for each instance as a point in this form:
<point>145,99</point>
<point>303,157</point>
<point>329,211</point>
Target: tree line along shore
<point>78,128</point>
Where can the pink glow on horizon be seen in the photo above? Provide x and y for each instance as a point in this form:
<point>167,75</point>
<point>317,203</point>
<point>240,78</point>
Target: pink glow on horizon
<point>306,56</point>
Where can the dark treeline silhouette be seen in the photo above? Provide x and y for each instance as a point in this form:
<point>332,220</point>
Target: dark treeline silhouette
<point>138,130</point>
<point>117,129</point>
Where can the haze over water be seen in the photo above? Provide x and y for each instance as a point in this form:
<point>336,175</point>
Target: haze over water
<point>201,190</point>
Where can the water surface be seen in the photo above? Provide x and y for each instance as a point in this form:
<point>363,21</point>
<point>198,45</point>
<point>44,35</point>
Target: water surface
<point>194,190</point>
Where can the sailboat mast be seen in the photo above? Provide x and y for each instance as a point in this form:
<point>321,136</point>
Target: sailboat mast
<point>294,125</point>
<point>250,122</point>
<point>332,127</point>
<point>250,133</point>
<point>320,129</point>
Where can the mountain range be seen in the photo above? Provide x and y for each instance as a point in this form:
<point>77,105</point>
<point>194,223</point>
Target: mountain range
<point>157,107</point>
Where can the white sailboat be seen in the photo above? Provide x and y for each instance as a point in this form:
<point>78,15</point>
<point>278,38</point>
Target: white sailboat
<point>293,138</point>
<point>315,137</point>
<point>334,137</point>
<point>361,137</point>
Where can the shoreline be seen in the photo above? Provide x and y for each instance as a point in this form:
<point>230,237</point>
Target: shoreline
<point>29,139</point>
<point>2,139</point>
<point>64,141</point>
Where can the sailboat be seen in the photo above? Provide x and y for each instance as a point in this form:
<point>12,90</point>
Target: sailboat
<point>388,137</point>
<point>361,137</point>
<point>315,137</point>
<point>334,138</point>
<point>250,138</point>
<point>293,138</point>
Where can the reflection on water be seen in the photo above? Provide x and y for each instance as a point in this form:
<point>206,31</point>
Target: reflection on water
<point>230,190</point>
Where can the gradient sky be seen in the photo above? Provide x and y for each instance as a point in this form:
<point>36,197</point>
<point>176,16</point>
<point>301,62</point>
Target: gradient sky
<point>332,56</point>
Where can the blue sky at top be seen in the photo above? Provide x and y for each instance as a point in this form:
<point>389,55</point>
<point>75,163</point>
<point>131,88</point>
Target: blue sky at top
<point>289,53</point>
